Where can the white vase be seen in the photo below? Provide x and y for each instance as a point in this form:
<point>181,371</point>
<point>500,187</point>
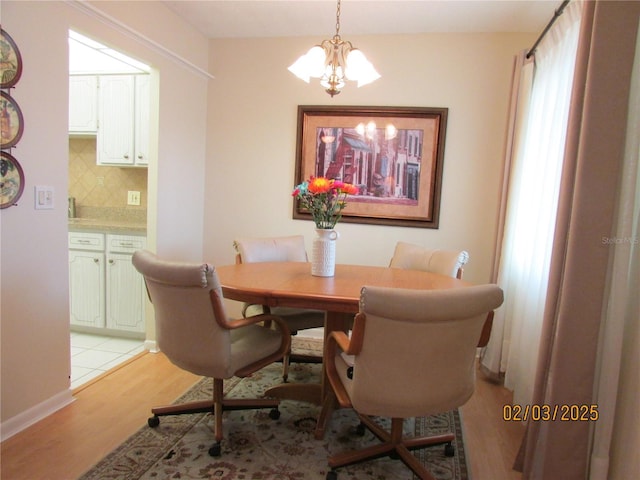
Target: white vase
<point>323,255</point>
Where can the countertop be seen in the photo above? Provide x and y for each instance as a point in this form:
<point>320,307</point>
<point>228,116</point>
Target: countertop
<point>124,227</point>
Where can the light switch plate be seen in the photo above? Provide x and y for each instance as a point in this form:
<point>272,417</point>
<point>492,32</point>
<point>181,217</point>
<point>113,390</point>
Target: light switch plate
<point>44,197</point>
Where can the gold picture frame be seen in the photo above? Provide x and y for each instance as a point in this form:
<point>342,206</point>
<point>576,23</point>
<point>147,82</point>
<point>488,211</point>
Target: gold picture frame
<point>394,155</point>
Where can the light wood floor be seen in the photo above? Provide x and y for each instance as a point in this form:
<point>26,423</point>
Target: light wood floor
<point>106,412</point>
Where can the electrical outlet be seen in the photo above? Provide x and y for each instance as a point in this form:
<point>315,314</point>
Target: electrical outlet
<point>133,198</point>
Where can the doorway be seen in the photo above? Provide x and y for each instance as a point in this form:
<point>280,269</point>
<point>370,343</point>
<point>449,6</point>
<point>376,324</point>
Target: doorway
<point>109,144</point>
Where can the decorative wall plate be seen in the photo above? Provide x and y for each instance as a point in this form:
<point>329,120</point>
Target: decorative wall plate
<point>10,61</point>
<point>11,121</point>
<point>11,180</point>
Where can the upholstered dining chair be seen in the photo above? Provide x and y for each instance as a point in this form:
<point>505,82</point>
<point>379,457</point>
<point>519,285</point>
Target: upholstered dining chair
<point>413,355</point>
<point>416,257</point>
<point>444,262</point>
<point>194,332</point>
<point>280,249</point>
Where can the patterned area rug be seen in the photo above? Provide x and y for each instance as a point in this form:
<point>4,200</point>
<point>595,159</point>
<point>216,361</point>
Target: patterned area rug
<point>257,447</point>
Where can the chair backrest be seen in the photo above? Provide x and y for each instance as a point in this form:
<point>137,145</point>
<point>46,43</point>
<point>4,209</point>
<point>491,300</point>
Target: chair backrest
<point>419,348</point>
<point>186,328</point>
<point>415,257</point>
<point>271,249</point>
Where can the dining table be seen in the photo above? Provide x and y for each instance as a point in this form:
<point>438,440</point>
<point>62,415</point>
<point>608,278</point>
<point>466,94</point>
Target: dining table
<point>291,284</point>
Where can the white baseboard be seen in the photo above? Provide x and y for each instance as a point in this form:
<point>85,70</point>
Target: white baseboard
<point>312,333</point>
<point>35,414</point>
<point>151,346</point>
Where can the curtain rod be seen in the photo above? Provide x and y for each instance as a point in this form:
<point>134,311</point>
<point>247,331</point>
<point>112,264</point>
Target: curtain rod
<point>556,14</point>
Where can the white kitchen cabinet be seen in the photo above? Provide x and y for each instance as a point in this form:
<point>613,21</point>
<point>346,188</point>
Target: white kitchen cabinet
<point>83,104</point>
<point>126,292</point>
<point>123,120</point>
<point>86,279</point>
<point>106,291</point>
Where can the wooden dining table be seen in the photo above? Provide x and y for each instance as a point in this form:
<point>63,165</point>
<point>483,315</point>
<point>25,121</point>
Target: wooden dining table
<point>290,284</point>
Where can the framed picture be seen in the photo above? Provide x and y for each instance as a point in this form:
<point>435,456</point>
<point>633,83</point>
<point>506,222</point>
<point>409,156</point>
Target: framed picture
<point>10,61</point>
<point>11,180</point>
<point>393,155</point>
<point>11,121</point>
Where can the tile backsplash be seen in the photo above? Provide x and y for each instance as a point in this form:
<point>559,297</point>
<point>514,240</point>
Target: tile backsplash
<point>98,187</point>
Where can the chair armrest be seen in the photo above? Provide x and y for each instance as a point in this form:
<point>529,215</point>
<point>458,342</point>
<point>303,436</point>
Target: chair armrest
<point>224,322</point>
<point>485,335</point>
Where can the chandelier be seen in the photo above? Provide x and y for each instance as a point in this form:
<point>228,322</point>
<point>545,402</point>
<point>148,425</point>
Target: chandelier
<point>333,61</point>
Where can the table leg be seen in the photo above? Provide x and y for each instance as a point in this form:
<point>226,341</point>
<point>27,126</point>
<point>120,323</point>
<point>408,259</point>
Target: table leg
<point>318,394</point>
<point>333,321</point>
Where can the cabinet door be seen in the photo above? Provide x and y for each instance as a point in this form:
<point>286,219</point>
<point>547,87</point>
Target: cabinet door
<point>86,288</point>
<point>125,294</point>
<point>115,140</point>
<point>141,123</point>
<point>83,104</point>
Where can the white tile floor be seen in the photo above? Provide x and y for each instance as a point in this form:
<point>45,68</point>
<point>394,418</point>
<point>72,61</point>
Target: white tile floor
<point>92,355</point>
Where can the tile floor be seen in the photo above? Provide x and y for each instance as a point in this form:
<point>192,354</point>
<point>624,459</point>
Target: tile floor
<point>92,355</point>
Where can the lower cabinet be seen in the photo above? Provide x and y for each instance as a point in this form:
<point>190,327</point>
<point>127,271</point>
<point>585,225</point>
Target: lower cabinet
<point>86,288</point>
<point>106,291</point>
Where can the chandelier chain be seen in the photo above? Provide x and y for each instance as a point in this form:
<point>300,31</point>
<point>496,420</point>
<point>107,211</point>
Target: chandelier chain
<point>338,20</point>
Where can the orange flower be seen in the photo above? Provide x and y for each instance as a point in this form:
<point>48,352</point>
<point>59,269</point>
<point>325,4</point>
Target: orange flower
<point>349,189</point>
<point>319,185</point>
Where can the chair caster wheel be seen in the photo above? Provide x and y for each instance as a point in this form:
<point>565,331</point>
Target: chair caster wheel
<point>449,450</point>
<point>215,450</point>
<point>332,475</point>
<point>153,422</point>
<point>274,414</point>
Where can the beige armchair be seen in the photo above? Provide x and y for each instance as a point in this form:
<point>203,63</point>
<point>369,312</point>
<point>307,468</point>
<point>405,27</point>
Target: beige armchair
<point>194,332</point>
<point>280,249</point>
<point>413,355</point>
<point>444,262</point>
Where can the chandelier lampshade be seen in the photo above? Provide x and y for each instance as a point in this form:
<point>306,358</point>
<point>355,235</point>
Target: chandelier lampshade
<point>333,62</point>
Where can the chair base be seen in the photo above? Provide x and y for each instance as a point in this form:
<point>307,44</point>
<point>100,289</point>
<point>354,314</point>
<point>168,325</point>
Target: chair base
<point>216,406</point>
<point>393,445</point>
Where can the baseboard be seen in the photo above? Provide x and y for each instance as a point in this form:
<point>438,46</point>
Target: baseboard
<point>35,414</point>
<point>151,346</point>
<point>311,333</point>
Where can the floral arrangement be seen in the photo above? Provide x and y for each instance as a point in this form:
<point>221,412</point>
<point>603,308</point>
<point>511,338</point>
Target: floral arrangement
<point>324,198</point>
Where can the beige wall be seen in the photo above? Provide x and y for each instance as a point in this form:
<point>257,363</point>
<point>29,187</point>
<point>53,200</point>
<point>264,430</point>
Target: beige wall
<point>252,138</point>
<point>34,269</point>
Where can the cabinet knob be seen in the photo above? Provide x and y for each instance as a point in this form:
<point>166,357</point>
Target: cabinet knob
<point>111,262</point>
<point>139,157</point>
<point>126,156</point>
<point>96,260</point>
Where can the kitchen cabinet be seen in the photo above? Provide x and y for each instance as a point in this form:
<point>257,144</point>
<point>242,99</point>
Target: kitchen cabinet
<point>106,291</point>
<point>123,120</point>
<point>83,104</point>
<point>86,279</point>
<point>125,289</point>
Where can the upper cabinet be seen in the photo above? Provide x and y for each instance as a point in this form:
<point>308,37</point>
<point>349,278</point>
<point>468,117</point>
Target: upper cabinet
<point>115,108</point>
<point>83,104</point>
<point>123,120</point>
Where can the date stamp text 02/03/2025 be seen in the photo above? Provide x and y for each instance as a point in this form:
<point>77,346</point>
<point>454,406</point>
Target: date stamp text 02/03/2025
<point>546,413</point>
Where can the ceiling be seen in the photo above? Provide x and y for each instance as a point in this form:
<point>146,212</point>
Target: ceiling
<point>285,18</point>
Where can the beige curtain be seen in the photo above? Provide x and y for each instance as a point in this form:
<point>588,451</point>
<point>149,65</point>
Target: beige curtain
<point>618,366</point>
<point>574,327</point>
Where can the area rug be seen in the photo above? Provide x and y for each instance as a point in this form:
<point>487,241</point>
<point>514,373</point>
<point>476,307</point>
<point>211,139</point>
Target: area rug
<point>259,448</point>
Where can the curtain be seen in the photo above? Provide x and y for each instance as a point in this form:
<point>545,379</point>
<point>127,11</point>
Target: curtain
<point>618,367</point>
<point>535,166</point>
<point>590,323</point>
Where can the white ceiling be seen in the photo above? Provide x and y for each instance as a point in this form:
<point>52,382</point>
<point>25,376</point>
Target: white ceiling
<point>278,18</point>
